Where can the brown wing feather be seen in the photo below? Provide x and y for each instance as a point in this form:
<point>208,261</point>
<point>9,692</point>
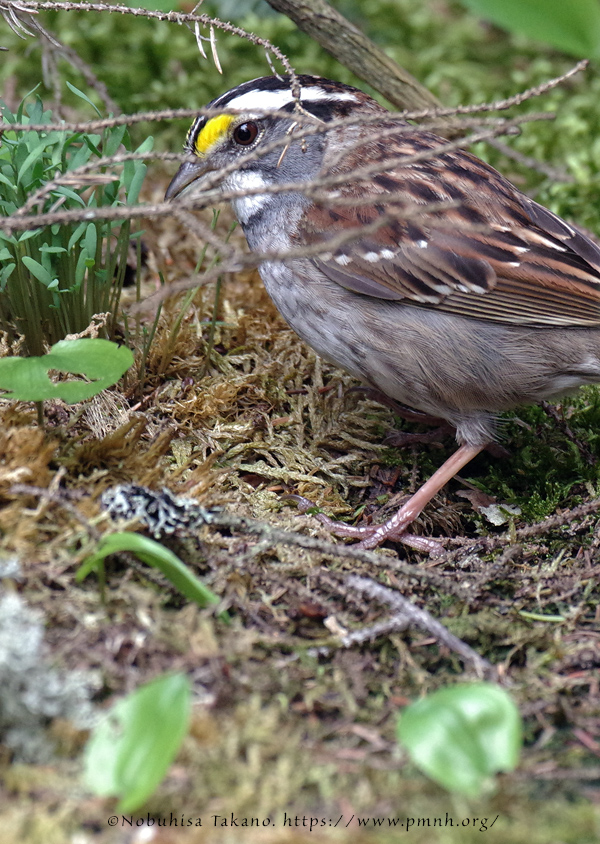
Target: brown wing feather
<point>496,254</point>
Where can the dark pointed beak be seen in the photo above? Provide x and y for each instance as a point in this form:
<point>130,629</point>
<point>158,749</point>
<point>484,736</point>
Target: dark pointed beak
<point>188,173</point>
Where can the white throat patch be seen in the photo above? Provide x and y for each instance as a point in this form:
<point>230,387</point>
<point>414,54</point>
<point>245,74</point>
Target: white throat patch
<point>246,207</point>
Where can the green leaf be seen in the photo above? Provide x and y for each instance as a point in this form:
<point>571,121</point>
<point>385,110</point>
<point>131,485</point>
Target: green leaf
<point>79,156</point>
<point>153,554</point>
<point>6,272</point>
<point>6,238</point>
<point>102,361</point>
<point>91,240</point>
<point>113,140</point>
<point>4,180</point>
<point>28,235</point>
<point>572,26</point>
<point>146,145</point>
<point>37,271</point>
<point>83,96</point>
<point>35,110</point>
<point>80,267</point>
<point>69,194</point>
<point>35,154</point>
<point>135,184</point>
<point>54,250</point>
<point>92,142</point>
<point>462,735</point>
<point>130,751</point>
<point>76,236</point>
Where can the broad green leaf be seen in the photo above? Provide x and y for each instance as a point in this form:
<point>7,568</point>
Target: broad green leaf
<point>76,236</point>
<point>153,554</point>
<point>37,270</point>
<point>572,26</point>
<point>130,751</point>
<point>7,207</point>
<point>70,194</point>
<point>146,145</point>
<point>35,110</point>
<point>80,267</point>
<point>53,139</point>
<point>103,362</point>
<point>462,735</point>
<point>6,181</point>
<point>79,157</point>
<point>70,144</point>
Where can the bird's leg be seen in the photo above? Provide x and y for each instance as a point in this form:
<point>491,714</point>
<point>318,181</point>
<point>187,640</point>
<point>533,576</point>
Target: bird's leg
<point>395,528</point>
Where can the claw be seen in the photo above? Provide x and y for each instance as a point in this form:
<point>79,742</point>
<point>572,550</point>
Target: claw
<point>367,532</point>
<point>305,505</point>
<point>394,529</point>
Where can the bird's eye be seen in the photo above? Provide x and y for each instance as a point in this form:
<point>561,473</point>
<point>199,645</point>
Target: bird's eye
<point>245,133</point>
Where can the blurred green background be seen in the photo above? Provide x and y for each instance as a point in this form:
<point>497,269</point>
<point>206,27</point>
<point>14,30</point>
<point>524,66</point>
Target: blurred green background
<point>147,64</point>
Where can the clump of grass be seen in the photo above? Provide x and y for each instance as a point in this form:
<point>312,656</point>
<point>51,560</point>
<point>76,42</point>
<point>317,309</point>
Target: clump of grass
<point>54,279</point>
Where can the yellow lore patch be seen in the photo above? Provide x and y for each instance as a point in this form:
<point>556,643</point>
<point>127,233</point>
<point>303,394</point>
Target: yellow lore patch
<point>212,132</point>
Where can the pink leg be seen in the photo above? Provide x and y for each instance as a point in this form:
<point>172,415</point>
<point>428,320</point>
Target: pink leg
<point>395,528</point>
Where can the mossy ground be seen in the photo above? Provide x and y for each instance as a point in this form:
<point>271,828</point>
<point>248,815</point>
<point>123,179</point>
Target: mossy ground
<point>286,719</point>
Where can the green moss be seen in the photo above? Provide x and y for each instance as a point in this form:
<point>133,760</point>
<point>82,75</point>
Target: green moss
<point>282,722</point>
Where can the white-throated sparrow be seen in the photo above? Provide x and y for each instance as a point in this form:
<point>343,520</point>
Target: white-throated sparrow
<point>414,266</point>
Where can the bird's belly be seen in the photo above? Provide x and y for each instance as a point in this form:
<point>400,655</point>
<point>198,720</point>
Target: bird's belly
<point>446,365</point>
<point>326,323</point>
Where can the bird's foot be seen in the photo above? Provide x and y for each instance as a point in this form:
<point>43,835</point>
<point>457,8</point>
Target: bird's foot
<point>371,536</point>
<point>395,527</point>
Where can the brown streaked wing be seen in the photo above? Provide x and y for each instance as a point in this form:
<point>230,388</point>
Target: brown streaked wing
<point>497,255</point>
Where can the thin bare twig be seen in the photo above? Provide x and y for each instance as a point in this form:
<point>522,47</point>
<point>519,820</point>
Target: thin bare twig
<point>319,190</point>
<point>409,614</point>
<point>501,105</point>
<point>20,220</point>
<point>504,540</point>
<point>33,6</point>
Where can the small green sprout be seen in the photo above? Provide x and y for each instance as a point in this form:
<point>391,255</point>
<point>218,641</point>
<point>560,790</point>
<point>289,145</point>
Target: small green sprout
<point>462,735</point>
<point>131,749</point>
